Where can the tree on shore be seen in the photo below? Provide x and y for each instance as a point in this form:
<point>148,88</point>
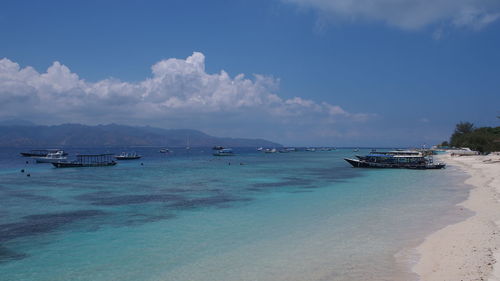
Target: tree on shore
<point>484,139</point>
<point>461,130</point>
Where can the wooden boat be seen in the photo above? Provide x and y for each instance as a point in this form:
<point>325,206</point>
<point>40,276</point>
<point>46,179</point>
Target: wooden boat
<point>52,157</point>
<point>224,152</point>
<point>127,156</point>
<point>41,152</point>
<point>270,150</point>
<point>395,161</point>
<point>88,160</point>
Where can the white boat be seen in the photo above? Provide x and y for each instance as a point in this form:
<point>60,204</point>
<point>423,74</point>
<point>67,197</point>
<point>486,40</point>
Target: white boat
<point>53,157</point>
<point>127,156</point>
<point>464,151</point>
<point>224,152</point>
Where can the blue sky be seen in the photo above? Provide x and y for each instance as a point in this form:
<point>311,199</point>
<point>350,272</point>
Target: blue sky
<point>343,73</point>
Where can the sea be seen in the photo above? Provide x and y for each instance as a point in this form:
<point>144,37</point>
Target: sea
<point>188,215</point>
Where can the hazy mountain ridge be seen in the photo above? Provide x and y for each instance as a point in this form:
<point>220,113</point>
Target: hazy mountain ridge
<point>115,135</point>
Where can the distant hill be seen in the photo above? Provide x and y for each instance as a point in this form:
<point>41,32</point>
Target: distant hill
<point>16,122</point>
<point>115,135</point>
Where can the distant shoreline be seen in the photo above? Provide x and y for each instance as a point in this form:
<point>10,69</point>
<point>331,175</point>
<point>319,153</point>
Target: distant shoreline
<point>117,135</point>
<point>468,250</point>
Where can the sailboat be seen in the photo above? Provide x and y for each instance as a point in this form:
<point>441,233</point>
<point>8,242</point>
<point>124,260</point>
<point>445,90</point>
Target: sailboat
<point>187,144</point>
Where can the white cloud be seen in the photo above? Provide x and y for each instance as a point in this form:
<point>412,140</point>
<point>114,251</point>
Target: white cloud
<point>180,93</point>
<point>409,14</point>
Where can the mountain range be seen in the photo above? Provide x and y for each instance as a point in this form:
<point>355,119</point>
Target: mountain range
<point>23,133</point>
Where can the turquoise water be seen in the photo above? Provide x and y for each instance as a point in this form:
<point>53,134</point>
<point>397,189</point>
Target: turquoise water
<point>192,216</point>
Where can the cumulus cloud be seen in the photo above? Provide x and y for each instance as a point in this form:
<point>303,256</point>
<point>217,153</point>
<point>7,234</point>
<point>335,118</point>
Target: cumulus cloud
<point>180,93</point>
<point>410,14</point>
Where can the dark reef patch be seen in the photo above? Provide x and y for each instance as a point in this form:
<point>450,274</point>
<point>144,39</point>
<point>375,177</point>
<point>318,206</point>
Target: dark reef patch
<point>7,255</point>
<point>45,223</point>
<point>300,191</point>
<point>139,219</point>
<point>215,201</point>
<point>288,182</point>
<point>93,195</point>
<point>176,190</point>
<point>30,196</point>
<point>135,199</point>
<point>98,200</point>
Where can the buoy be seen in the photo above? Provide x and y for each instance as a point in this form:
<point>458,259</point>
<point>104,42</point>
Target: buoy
<point>22,170</point>
<point>27,162</point>
<point>28,175</point>
<point>142,164</point>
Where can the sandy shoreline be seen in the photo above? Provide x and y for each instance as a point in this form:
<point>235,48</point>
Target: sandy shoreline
<point>468,250</point>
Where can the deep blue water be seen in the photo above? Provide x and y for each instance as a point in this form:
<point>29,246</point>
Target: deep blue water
<point>189,215</point>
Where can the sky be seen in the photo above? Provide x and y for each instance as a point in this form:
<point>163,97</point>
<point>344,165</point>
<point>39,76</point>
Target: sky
<point>297,72</point>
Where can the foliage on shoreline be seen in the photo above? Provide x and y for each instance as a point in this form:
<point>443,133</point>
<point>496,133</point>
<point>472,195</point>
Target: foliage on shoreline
<point>484,139</point>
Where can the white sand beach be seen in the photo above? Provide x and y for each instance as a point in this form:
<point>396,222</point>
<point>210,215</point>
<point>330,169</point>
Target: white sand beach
<point>469,250</point>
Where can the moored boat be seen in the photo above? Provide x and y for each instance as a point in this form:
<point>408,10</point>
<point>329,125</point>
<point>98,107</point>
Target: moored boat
<point>41,152</point>
<point>88,160</point>
<point>127,156</point>
<point>287,149</point>
<point>406,160</point>
<point>224,152</point>
<point>52,157</point>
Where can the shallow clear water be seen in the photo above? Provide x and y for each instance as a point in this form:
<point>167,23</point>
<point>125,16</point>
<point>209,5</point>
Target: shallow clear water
<point>191,216</point>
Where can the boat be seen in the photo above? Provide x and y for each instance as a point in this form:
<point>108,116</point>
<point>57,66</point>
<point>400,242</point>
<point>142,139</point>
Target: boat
<point>393,152</point>
<point>127,156</point>
<point>52,157</point>
<point>88,160</point>
<point>164,150</point>
<point>287,150</point>
<point>187,144</point>
<point>391,159</point>
<point>464,151</point>
<point>270,150</point>
<point>41,152</point>
<point>224,152</point>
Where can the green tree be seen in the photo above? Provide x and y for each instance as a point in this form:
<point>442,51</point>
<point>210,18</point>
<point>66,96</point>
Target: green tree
<point>464,128</point>
<point>459,135</point>
<point>484,139</point>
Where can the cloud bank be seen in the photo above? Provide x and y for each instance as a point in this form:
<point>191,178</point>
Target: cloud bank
<point>179,94</point>
<point>409,14</point>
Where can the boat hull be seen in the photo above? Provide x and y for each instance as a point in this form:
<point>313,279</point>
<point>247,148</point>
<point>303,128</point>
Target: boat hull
<point>40,153</point>
<point>78,165</point>
<point>127,157</point>
<point>48,160</point>
<point>223,154</point>
<point>364,164</point>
